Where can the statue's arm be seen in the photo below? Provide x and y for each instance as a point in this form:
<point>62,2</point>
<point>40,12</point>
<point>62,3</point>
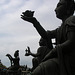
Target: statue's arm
<point>38,52</point>
<point>30,53</point>
<point>36,24</point>
<point>9,56</point>
<point>40,29</point>
<point>35,55</point>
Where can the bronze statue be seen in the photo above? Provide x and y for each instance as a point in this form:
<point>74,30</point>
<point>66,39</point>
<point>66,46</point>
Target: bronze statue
<point>14,61</point>
<point>41,53</point>
<point>60,60</point>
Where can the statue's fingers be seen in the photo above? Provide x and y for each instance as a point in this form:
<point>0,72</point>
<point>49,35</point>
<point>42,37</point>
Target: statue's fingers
<point>23,13</point>
<point>24,18</point>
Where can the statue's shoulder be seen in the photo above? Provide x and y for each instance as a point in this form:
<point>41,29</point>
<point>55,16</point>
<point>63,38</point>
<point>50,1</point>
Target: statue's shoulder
<point>42,47</point>
<point>70,21</point>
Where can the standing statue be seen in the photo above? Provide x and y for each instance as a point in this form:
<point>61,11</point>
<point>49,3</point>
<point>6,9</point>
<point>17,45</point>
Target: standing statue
<point>61,59</point>
<point>14,61</point>
<point>41,53</point>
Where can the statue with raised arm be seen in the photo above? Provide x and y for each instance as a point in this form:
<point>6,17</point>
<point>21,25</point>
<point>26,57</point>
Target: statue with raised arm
<point>41,53</point>
<point>14,61</point>
<point>60,60</point>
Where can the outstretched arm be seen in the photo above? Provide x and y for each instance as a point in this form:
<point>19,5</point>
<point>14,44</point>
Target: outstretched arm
<point>28,52</point>
<point>9,56</point>
<point>35,23</point>
<point>35,55</point>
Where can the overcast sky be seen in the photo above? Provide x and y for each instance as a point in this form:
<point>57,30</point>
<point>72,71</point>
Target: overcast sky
<point>16,34</point>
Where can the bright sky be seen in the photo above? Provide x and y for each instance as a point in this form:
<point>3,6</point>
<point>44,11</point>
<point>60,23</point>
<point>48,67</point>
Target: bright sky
<point>16,34</point>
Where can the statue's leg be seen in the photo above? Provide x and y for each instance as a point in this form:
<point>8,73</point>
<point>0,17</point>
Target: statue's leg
<point>37,71</point>
<point>49,67</point>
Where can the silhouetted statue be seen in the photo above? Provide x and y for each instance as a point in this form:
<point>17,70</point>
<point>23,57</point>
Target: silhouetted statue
<point>41,52</point>
<point>14,61</point>
<point>61,59</point>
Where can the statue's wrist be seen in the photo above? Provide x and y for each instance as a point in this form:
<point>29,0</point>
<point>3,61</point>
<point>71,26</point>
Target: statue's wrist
<point>35,23</point>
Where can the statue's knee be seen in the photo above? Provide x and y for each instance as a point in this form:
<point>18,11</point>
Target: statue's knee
<point>37,71</point>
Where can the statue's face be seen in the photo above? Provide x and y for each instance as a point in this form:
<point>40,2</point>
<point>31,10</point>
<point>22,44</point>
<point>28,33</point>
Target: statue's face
<point>61,9</point>
<point>42,42</point>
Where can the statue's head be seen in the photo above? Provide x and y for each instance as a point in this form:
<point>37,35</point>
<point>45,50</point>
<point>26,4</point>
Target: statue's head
<point>42,42</point>
<point>65,8</point>
<point>16,53</point>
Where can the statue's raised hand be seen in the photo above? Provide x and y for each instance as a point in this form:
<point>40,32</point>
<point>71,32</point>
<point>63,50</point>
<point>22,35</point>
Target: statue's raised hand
<point>7,54</point>
<point>28,16</point>
<point>28,13</point>
<point>28,52</point>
